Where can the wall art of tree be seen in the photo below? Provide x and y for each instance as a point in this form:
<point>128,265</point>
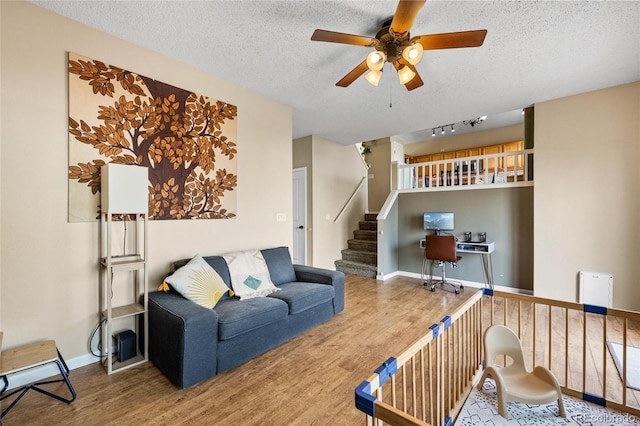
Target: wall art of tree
<point>186,140</point>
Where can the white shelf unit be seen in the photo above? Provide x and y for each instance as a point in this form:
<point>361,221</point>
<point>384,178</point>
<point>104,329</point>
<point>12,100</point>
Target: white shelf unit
<point>135,308</point>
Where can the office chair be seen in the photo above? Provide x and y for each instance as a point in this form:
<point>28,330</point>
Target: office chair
<point>442,249</point>
<point>514,382</point>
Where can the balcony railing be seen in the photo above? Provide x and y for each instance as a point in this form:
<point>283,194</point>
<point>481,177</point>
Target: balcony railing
<point>482,171</point>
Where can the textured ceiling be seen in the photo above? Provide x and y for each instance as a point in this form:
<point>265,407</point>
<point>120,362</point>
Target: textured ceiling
<point>534,51</point>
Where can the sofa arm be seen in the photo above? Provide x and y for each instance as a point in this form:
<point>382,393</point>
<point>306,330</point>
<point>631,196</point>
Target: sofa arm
<point>312,274</point>
<point>183,338</point>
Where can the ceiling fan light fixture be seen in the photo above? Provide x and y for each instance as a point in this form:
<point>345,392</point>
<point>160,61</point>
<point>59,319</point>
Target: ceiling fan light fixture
<point>373,77</point>
<point>405,74</point>
<point>375,60</point>
<point>413,53</point>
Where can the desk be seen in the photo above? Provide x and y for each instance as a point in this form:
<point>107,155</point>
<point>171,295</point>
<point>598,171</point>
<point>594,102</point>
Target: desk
<point>476,247</point>
<point>484,250</point>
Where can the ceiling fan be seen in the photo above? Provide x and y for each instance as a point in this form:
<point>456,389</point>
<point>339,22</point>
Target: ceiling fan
<point>394,44</point>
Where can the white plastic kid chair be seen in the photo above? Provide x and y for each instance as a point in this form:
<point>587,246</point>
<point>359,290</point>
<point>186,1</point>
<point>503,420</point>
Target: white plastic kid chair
<point>514,382</point>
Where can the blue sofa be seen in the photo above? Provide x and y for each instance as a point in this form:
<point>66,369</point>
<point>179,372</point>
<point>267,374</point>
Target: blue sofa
<point>190,343</point>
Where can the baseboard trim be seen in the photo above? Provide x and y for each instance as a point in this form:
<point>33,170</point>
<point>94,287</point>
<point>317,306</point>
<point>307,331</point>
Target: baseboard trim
<point>38,373</point>
<point>465,283</point>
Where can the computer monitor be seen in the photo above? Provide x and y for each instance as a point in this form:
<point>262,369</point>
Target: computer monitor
<point>438,221</point>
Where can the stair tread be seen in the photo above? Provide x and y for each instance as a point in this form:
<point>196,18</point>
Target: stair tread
<point>368,242</point>
<point>353,251</point>
<point>357,264</point>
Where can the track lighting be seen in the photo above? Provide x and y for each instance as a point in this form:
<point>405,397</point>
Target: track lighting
<point>475,121</point>
<point>443,127</point>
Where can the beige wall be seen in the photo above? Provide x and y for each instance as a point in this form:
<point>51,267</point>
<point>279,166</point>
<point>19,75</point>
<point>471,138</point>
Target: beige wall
<point>336,173</point>
<point>380,184</point>
<point>587,192</point>
<point>466,140</point>
<point>49,273</point>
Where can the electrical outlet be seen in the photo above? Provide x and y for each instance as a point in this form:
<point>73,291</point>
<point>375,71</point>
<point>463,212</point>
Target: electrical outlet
<point>327,216</point>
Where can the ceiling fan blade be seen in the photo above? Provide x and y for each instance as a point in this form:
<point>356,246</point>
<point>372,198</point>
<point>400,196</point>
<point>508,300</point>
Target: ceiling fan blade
<point>452,40</point>
<point>335,37</point>
<point>353,74</point>
<point>405,15</point>
<point>416,81</point>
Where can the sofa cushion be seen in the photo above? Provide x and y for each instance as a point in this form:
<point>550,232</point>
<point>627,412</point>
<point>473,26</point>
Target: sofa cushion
<point>220,265</point>
<point>301,296</point>
<point>236,317</point>
<point>279,263</point>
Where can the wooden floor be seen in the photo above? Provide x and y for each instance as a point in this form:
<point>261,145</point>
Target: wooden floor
<point>309,380</point>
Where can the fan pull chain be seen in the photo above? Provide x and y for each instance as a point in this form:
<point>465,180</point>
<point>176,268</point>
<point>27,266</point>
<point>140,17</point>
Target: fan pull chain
<point>390,92</point>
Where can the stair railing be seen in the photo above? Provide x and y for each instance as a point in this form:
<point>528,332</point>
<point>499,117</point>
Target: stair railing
<point>353,195</point>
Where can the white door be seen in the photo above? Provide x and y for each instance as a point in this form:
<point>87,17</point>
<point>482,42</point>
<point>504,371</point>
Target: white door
<point>299,215</point>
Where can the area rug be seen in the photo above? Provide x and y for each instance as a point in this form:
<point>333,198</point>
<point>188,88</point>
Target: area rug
<point>481,409</point>
<point>633,363</point>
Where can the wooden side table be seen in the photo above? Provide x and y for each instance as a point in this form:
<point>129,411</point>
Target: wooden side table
<point>30,356</point>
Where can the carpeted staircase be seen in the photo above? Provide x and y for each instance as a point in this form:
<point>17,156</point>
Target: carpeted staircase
<point>361,258</point>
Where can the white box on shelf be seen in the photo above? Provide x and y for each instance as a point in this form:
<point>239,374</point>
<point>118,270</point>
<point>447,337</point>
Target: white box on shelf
<point>124,188</point>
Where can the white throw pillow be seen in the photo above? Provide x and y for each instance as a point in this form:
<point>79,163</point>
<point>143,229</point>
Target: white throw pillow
<point>249,274</point>
<point>198,282</point>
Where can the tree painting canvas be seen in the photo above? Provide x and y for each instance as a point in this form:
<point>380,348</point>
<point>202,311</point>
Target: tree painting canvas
<point>187,141</point>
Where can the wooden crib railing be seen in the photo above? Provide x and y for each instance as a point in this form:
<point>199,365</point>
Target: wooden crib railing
<point>429,381</point>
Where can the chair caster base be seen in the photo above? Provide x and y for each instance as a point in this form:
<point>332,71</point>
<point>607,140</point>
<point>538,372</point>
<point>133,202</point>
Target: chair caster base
<point>433,288</point>
<point>457,291</point>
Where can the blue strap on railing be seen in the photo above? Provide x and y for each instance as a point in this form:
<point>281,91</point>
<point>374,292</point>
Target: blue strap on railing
<point>386,370</point>
<point>589,397</point>
<point>594,309</point>
<point>365,402</point>
<point>448,421</point>
<point>436,330</point>
<point>487,291</point>
<point>446,321</point>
